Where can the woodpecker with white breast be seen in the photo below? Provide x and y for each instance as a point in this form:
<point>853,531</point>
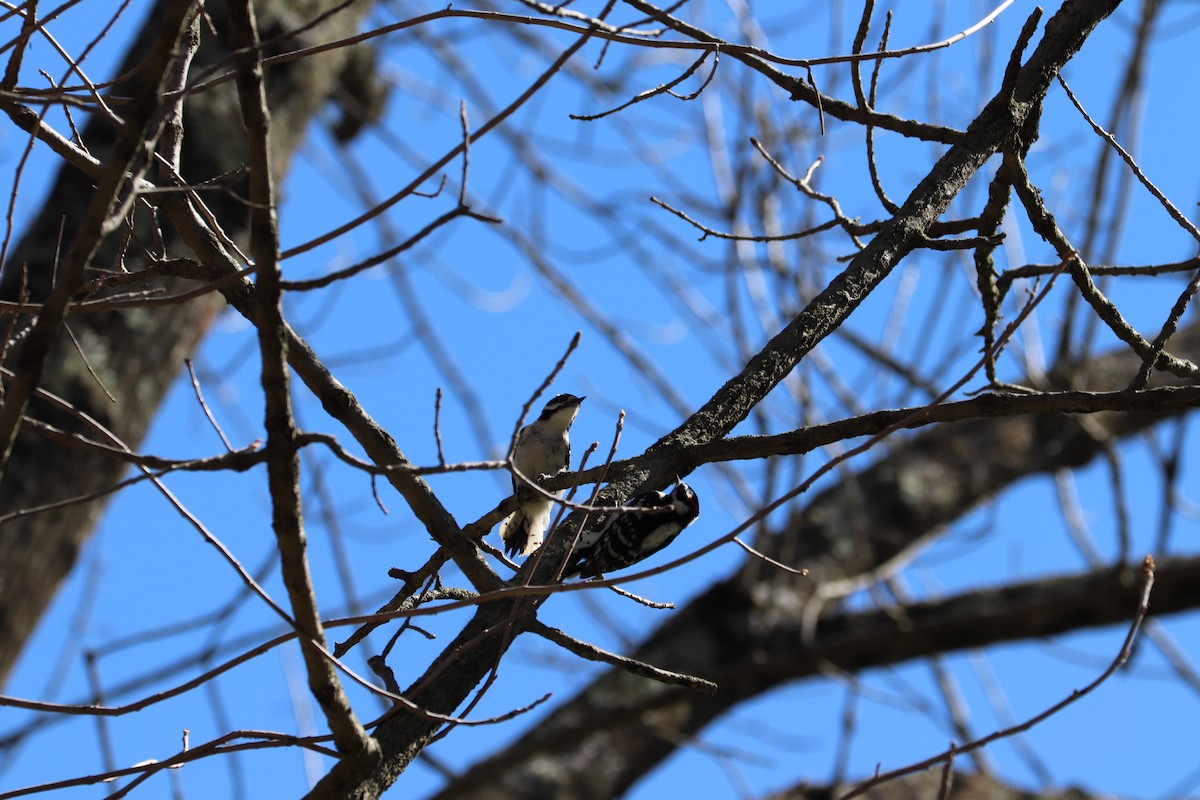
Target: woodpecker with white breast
<point>543,448</point>
<point>628,537</point>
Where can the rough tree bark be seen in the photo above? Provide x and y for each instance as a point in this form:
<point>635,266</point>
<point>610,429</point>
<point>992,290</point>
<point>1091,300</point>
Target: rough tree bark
<point>137,353</point>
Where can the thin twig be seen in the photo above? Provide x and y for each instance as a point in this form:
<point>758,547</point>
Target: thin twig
<point>637,598</point>
<point>466,153</point>
<point>599,30</point>
<point>402,600</point>
<point>437,431</point>
<point>593,653</point>
<point>664,88</point>
<point>802,572</point>
<point>1122,656</point>
<point>451,154</point>
<point>1047,227</point>
<point>87,363</point>
<point>1174,212</point>
<point>386,255</point>
<point>947,775</point>
<point>204,406</point>
<point>1150,357</point>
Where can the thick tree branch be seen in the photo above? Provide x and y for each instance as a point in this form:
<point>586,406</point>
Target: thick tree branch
<point>282,448</point>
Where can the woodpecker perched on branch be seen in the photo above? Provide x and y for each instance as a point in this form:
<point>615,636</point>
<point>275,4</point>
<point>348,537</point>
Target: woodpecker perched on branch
<point>626,538</point>
<point>543,449</point>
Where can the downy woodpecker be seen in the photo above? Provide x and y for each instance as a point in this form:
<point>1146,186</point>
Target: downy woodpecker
<point>543,449</point>
<point>627,538</point>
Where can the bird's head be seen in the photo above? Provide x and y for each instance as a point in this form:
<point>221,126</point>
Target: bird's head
<point>685,501</point>
<point>562,409</point>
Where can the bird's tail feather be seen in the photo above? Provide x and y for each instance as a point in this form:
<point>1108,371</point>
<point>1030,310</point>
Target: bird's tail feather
<point>524,530</point>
